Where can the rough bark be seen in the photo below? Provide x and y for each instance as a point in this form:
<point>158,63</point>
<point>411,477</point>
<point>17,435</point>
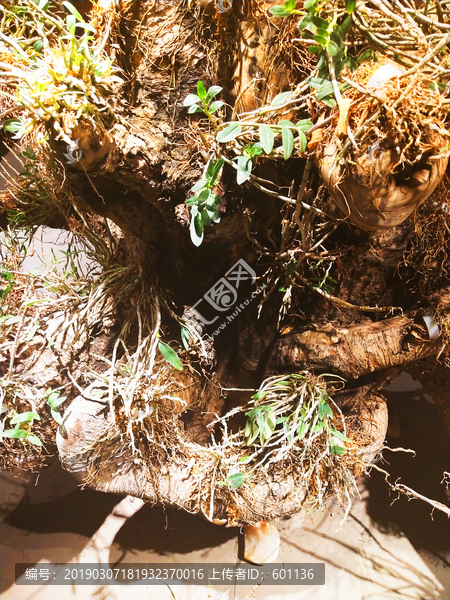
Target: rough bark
<point>352,351</point>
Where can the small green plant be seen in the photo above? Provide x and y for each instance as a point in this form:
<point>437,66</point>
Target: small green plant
<point>71,76</point>
<point>23,424</point>
<point>9,279</point>
<point>328,42</point>
<point>286,9</point>
<point>322,279</point>
<point>170,355</point>
<point>204,204</point>
<point>261,423</point>
<point>236,480</point>
<point>293,417</point>
<point>54,399</point>
<point>202,102</point>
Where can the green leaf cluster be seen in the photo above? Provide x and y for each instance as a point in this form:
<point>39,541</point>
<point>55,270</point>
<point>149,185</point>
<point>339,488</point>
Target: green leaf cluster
<point>9,279</point>
<point>261,423</point>
<point>76,79</point>
<point>204,203</point>
<point>322,279</point>
<point>23,423</point>
<point>202,101</point>
<point>301,423</point>
<point>54,399</point>
<point>284,10</point>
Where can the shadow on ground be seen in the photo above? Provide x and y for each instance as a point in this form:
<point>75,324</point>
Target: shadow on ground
<point>421,431</point>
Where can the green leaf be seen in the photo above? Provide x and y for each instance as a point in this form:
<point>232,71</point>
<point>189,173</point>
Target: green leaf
<point>71,22</point>
<point>170,355</point>
<point>38,45</point>
<point>288,141</point>
<point>345,26</point>
<point>244,168</point>
<point>280,11</point>
<point>366,55</point>
<point>6,291</point>
<point>320,23</point>
<point>321,410</point>
<point>339,435</point>
<point>325,91</point>
<point>25,417</point>
<point>236,480</point>
<point>255,149</point>
<point>259,395</point>
<point>230,133</point>
<point>212,92</point>
<point>71,8</point>
<point>55,400</point>
<point>15,433</point>
<point>280,98</point>
<point>350,6</point>
<point>12,125</point>
<point>338,450</point>
<point>304,125</point>
<point>206,219</point>
<point>329,101</point>
<point>9,319</point>
<point>214,213</point>
<point>57,416</point>
<point>213,170</point>
<point>318,82</point>
<point>328,410</point>
<point>305,22</point>
<point>301,430</point>
<point>320,39</point>
<point>185,336</point>
<point>310,5</point>
<point>302,142</point>
<point>315,49</point>
<point>196,229</point>
<point>34,439</point>
<point>318,427</point>
<point>195,108</point>
<point>351,64</point>
<point>201,91</point>
<point>215,106</point>
<point>332,48</point>
<point>4,273</point>
<point>191,99</point>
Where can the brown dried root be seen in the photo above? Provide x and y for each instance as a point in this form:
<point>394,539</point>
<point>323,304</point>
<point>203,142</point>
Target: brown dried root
<point>401,488</point>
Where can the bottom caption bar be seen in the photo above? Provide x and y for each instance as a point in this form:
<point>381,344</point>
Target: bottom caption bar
<point>170,573</point>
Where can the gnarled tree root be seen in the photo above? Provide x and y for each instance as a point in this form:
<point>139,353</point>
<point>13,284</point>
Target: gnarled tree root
<point>352,351</point>
<point>87,450</point>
